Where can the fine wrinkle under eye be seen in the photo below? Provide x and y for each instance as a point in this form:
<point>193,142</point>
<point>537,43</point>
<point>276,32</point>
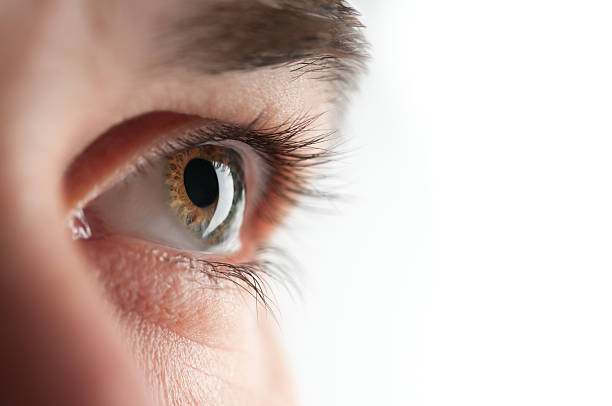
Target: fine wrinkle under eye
<point>201,182</point>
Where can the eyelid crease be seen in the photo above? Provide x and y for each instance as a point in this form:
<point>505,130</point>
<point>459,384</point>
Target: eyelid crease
<point>115,154</point>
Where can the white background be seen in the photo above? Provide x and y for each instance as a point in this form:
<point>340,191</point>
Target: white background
<point>473,266</point>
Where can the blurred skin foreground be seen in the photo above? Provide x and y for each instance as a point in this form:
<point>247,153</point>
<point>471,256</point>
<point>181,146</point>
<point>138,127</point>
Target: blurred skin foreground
<point>112,293</point>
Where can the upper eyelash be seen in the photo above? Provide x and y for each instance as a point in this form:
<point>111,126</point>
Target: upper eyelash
<point>288,167</point>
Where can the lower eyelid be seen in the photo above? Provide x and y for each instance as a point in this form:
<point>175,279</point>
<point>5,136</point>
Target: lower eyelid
<point>171,289</point>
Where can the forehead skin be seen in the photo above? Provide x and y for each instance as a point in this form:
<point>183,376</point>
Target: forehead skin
<point>134,51</point>
<point>71,70</point>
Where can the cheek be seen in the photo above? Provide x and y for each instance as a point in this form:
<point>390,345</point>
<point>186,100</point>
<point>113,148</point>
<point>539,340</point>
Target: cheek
<point>197,340</point>
<point>181,372</point>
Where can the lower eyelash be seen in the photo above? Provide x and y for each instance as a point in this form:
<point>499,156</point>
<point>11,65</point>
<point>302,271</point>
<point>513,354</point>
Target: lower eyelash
<point>272,263</point>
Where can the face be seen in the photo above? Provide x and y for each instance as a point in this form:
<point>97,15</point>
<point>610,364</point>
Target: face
<point>148,150</point>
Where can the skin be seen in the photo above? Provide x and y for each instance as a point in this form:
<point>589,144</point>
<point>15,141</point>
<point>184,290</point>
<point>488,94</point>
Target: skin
<point>113,322</point>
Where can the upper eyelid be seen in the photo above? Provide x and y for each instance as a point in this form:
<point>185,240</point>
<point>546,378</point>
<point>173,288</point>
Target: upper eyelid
<point>114,154</point>
<point>282,139</point>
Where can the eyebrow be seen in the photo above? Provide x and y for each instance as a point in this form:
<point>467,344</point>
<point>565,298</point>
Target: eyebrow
<point>320,37</point>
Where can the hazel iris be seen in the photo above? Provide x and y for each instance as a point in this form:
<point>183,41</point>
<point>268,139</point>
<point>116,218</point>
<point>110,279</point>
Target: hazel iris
<point>207,192</point>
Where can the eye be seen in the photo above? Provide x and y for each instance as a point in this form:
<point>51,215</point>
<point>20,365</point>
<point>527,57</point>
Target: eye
<point>192,199</point>
<point>196,185</point>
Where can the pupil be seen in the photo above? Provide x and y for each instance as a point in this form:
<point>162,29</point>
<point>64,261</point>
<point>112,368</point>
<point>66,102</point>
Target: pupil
<point>201,182</point>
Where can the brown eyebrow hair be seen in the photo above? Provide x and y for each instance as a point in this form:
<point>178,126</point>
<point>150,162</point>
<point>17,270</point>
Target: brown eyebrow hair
<point>321,37</point>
